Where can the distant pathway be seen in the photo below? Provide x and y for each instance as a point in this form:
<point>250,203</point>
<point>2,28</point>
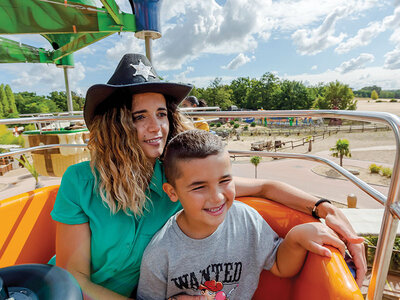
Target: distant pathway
<point>299,174</point>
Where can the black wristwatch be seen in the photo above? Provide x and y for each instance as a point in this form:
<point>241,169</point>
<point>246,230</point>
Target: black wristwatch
<point>314,211</point>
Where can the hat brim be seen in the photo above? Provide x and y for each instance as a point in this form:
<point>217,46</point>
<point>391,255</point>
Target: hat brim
<point>96,94</point>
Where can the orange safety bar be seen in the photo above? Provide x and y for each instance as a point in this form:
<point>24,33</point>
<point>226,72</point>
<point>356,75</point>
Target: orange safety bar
<point>320,277</point>
<point>28,236</point>
<point>27,233</point>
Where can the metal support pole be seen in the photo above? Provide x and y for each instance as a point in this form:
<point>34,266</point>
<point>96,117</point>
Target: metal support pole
<point>147,40</point>
<point>69,97</point>
<point>383,256</point>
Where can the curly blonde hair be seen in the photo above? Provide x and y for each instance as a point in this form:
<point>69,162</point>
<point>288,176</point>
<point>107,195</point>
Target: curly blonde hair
<point>121,168</point>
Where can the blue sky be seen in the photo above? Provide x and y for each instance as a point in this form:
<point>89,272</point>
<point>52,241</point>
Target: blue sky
<point>354,41</point>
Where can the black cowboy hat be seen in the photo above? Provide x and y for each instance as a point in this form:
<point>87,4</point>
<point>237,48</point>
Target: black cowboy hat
<point>135,73</point>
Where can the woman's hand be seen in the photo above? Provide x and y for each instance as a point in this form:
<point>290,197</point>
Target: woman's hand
<point>336,220</point>
<point>313,236</point>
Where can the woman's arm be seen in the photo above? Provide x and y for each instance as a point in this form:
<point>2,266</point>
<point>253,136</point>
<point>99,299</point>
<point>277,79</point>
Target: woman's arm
<point>302,201</point>
<point>73,254</point>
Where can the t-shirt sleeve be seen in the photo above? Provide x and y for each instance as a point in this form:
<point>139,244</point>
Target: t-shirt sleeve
<point>153,279</point>
<point>267,240</point>
<point>270,241</point>
<point>67,207</point>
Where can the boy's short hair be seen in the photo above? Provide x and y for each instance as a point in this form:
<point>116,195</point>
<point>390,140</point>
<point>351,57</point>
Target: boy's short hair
<point>188,145</point>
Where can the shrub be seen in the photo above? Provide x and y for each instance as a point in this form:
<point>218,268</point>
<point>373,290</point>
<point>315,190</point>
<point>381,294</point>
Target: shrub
<point>378,101</point>
<point>236,125</point>
<point>212,124</point>
<point>231,122</point>
<point>386,172</point>
<point>246,127</point>
<point>219,124</point>
<point>373,168</point>
<point>393,100</point>
<point>253,124</point>
<point>236,119</point>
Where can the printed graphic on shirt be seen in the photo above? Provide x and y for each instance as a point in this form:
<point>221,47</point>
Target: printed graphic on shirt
<point>217,281</point>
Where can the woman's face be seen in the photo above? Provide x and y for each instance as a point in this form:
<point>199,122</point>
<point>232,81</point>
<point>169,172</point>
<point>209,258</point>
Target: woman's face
<point>150,116</point>
<point>186,103</point>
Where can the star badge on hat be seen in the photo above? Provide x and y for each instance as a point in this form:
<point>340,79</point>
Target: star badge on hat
<point>143,70</point>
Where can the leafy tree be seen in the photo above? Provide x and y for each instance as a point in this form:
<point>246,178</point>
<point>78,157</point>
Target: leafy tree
<point>60,99</point>
<point>2,97</point>
<point>11,100</point>
<point>29,103</point>
<point>340,96</point>
<point>341,149</point>
<point>263,92</point>
<point>4,101</point>
<point>321,103</point>
<point>255,160</point>
<point>7,137</point>
<point>374,95</point>
<point>217,94</point>
<point>240,88</point>
<point>292,95</point>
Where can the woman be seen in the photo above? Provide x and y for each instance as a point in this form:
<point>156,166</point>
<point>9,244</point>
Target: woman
<point>109,209</point>
<point>192,101</point>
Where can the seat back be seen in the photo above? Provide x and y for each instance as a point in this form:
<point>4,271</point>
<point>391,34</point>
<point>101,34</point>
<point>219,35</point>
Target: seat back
<point>27,232</point>
<point>320,277</point>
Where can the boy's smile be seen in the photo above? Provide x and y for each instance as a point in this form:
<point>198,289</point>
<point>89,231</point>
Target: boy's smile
<point>206,191</point>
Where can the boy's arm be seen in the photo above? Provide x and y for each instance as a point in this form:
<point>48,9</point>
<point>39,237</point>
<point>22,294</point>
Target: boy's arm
<point>302,201</point>
<point>300,239</point>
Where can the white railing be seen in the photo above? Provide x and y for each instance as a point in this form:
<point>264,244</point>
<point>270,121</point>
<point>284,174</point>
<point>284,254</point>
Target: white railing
<point>391,202</point>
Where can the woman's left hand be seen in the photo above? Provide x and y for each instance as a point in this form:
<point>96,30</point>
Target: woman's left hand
<point>336,220</point>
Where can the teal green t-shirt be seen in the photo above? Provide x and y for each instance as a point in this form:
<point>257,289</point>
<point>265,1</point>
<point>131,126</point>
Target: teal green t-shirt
<point>117,240</point>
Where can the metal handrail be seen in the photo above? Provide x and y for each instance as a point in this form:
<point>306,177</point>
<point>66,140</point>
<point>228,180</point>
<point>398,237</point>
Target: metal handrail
<point>391,203</point>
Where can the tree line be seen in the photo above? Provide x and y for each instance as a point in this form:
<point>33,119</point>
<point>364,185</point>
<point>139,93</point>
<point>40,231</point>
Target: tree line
<point>269,92</point>
<point>14,104</point>
<point>376,91</point>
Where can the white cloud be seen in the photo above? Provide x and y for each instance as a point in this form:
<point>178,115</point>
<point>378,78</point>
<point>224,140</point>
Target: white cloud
<point>392,21</point>
<point>181,77</point>
<point>88,50</point>
<point>48,76</point>
<point>385,78</point>
<point>392,59</point>
<point>204,81</point>
<point>311,42</point>
<point>314,67</point>
<point>355,63</point>
<point>237,62</point>
<point>128,43</point>
<point>395,37</point>
<point>206,27</point>
<point>363,37</point>
<point>192,29</point>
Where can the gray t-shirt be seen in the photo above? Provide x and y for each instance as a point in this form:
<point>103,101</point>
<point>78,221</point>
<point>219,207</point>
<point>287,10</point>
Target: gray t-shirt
<point>227,262</point>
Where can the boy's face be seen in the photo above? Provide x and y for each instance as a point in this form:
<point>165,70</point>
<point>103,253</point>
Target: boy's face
<point>206,192</point>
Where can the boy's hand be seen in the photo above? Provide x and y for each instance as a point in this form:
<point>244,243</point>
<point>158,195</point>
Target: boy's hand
<point>312,237</point>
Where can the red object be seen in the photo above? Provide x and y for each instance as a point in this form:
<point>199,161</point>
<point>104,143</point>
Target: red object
<point>211,285</point>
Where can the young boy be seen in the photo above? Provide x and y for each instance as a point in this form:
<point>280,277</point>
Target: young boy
<point>215,246</point>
